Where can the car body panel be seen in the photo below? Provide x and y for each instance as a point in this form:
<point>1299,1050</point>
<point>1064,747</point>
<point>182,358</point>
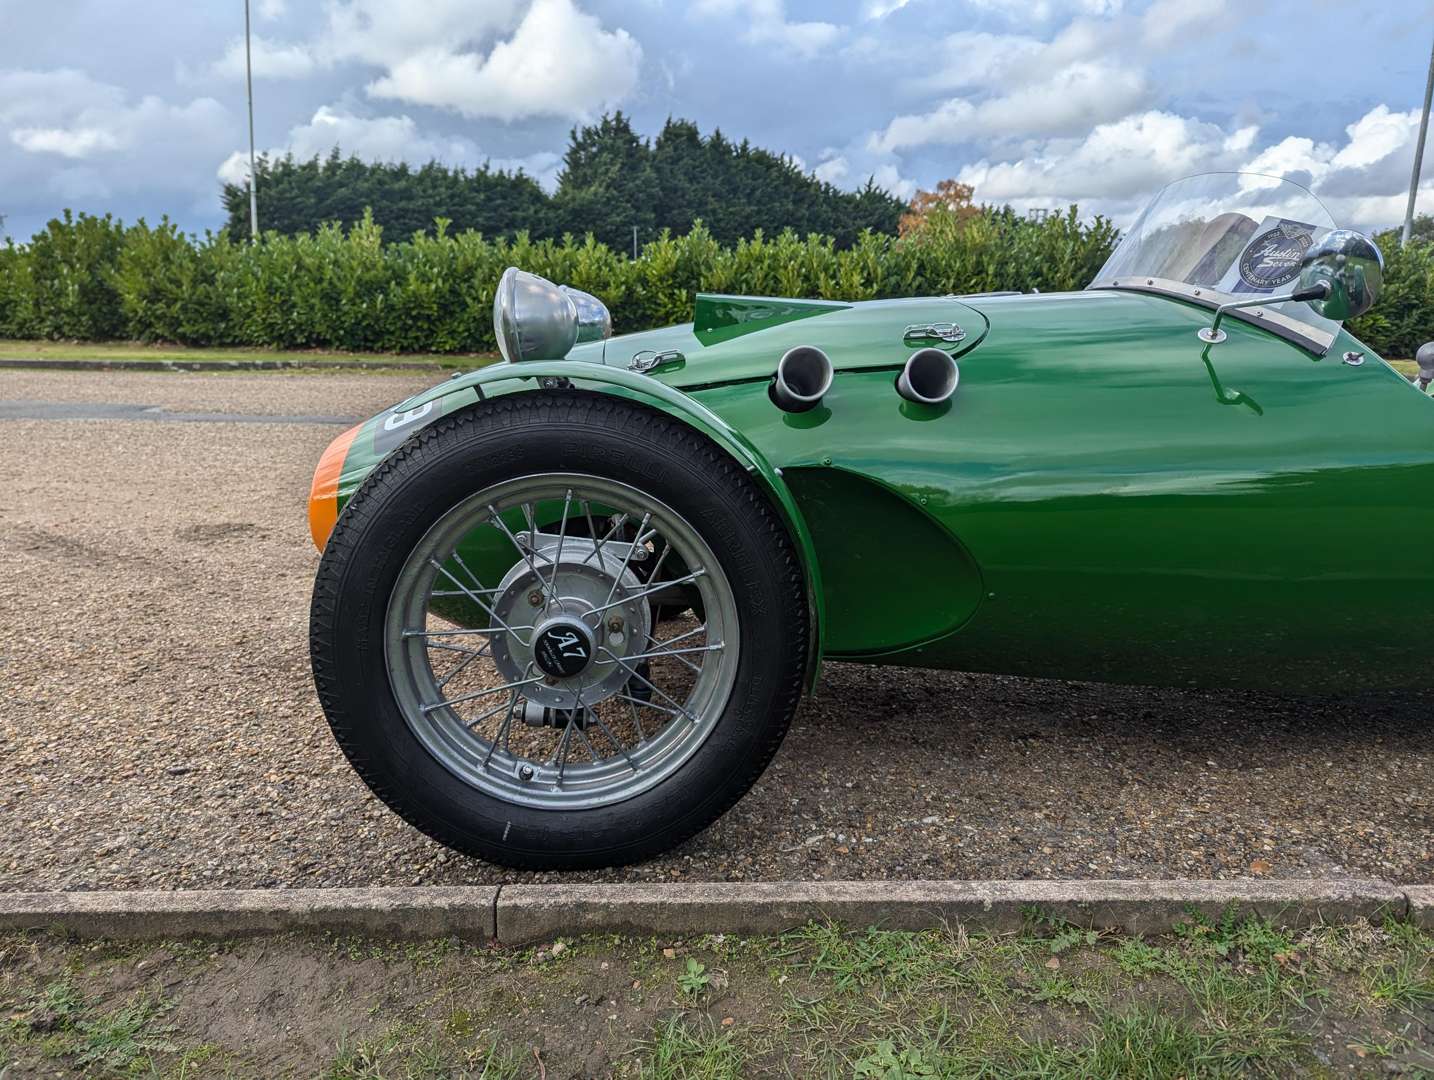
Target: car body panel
<point>1103,498</point>
<point>856,337</point>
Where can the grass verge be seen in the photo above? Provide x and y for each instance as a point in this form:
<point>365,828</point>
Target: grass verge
<point>1215,999</point>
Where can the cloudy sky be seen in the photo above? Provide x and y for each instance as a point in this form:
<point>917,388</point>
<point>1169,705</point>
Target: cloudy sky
<point>138,108</point>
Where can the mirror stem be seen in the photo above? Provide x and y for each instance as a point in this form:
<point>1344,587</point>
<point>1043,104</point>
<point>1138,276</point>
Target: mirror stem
<point>1213,335</point>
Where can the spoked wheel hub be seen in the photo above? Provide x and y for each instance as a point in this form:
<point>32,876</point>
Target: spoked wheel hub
<point>579,598</point>
<point>524,651</point>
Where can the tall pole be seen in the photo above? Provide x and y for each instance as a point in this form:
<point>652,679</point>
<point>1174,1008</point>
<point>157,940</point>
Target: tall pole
<point>253,175</point>
<point>1419,153</point>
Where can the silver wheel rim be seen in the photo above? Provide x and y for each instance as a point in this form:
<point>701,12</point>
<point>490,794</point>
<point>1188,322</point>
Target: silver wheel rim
<point>589,564</point>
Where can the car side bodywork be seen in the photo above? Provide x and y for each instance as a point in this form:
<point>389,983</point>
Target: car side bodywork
<point>1103,498</point>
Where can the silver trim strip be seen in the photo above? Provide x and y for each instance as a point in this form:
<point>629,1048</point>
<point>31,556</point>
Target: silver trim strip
<point>1316,340</point>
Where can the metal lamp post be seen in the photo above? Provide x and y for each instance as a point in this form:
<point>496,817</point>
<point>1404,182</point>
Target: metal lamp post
<point>253,175</point>
<point>1418,153</point>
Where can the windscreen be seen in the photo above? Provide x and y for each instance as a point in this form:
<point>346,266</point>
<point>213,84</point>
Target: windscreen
<point>1219,237</point>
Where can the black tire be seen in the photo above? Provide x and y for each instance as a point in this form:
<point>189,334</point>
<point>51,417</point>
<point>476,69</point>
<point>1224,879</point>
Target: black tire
<point>531,433</point>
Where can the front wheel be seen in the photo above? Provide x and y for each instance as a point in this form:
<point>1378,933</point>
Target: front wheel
<point>559,630</point>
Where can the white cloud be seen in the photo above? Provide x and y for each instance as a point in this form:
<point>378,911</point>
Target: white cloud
<point>385,32</point>
<point>1168,22</point>
<point>890,178</point>
<point>69,139</point>
<point>270,10</point>
<point>500,59</point>
<point>34,97</point>
<point>1078,117</point>
<point>1375,137</point>
<point>832,171</point>
<point>1119,165</point>
<point>1045,10</point>
<point>766,23</point>
<point>880,9</point>
<point>978,59</point>
<point>1294,156</point>
<point>1364,182</point>
<point>1016,86</point>
<point>271,60</point>
<point>1378,156</point>
<point>378,138</point>
<point>67,113</point>
<point>1131,157</point>
<point>1241,139</point>
<point>388,139</point>
<point>78,142</point>
<point>1373,162</point>
<point>235,168</point>
<point>1071,99</point>
<point>558,62</point>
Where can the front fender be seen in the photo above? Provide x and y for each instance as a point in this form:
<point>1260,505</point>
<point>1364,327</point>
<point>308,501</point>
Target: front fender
<point>341,470</point>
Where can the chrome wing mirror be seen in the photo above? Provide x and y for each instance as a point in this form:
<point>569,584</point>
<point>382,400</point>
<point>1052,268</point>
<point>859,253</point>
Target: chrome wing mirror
<point>1340,277</point>
<point>1352,267</point>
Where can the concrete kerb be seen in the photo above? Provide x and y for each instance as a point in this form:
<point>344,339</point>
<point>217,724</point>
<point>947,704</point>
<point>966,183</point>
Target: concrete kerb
<point>518,914</point>
<point>396,912</point>
<point>1421,905</point>
<point>539,912</point>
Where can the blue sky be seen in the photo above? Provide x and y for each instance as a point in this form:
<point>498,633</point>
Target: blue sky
<point>138,108</point>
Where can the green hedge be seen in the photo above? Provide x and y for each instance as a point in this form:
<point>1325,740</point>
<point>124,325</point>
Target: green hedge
<point>92,278</point>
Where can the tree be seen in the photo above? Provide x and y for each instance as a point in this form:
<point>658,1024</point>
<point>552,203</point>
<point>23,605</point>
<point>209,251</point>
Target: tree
<point>951,200</point>
<point>612,179</point>
<point>607,184</point>
<point>737,188</point>
<point>299,196</point>
<point>687,187</point>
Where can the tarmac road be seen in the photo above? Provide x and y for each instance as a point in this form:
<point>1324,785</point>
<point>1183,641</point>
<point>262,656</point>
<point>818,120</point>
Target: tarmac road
<point>158,727</point>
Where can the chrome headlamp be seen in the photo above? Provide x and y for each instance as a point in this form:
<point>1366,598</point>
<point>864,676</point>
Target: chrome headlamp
<point>533,319</point>
<point>594,320</point>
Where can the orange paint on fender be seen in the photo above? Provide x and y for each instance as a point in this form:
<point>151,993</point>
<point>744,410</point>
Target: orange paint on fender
<point>324,493</point>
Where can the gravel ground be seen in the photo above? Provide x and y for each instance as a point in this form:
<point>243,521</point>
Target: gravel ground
<point>159,728</point>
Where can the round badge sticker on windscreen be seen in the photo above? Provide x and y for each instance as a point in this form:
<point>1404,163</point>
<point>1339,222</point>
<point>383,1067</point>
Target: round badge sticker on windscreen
<point>1272,258</point>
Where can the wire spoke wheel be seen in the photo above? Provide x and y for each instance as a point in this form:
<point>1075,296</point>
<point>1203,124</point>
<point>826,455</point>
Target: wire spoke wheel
<point>558,629</point>
<point>562,641</point>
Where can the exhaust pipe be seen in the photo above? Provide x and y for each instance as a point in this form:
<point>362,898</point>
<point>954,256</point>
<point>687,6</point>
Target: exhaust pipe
<point>804,375</point>
<point>929,377</point>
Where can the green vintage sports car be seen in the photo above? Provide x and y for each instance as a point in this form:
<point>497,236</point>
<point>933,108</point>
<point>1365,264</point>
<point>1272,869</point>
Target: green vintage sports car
<point>569,603</point>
